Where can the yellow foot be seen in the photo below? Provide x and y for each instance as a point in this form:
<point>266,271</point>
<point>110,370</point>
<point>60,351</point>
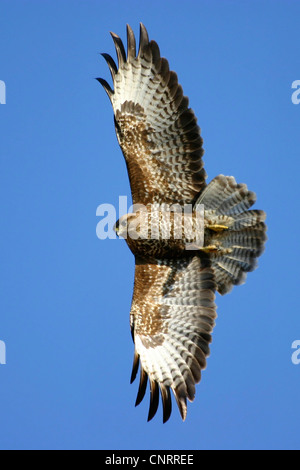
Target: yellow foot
<point>217,228</point>
<point>216,249</point>
<point>210,249</point>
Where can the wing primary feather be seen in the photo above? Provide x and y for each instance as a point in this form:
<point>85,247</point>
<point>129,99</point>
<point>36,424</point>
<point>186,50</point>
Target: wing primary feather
<point>135,366</point>
<point>142,387</point>
<point>121,54</point>
<point>155,54</point>
<point>131,45</point>
<point>154,399</point>
<point>166,401</point>
<point>144,39</point>
<point>106,87</point>
<point>111,64</point>
<point>180,395</point>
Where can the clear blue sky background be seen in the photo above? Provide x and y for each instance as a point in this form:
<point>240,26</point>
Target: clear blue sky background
<point>66,295</point>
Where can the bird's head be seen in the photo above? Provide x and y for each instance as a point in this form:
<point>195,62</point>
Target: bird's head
<point>132,226</point>
<point>122,226</point>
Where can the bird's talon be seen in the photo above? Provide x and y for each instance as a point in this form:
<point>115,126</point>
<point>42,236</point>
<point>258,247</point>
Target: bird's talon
<point>210,249</point>
<point>217,227</point>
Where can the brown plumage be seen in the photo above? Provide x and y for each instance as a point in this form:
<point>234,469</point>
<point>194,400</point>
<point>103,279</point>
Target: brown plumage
<point>173,309</point>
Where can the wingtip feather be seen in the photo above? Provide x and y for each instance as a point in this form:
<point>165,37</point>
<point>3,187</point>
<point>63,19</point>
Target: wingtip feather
<point>154,399</point>
<point>166,402</point>
<point>135,367</point>
<point>144,39</point>
<point>142,387</point>
<point>131,43</point>
<point>111,64</point>
<point>106,87</point>
<point>121,54</point>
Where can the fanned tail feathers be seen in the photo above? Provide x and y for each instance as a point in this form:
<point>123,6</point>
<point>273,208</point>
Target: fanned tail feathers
<point>240,246</point>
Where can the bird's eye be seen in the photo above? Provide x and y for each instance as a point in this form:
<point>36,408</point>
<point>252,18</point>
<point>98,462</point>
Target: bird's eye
<point>124,223</point>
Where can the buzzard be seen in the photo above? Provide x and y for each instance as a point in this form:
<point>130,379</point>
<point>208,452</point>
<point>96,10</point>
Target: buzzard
<point>173,307</point>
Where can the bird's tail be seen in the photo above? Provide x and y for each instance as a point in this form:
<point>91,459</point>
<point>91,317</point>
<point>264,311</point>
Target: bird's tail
<point>235,234</point>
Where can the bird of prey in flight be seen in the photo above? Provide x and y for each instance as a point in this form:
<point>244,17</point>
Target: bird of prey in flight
<point>173,307</point>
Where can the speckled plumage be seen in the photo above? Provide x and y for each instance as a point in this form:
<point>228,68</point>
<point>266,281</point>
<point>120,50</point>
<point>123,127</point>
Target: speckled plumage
<point>173,309</point>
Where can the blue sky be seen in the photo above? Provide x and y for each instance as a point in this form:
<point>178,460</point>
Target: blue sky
<point>66,295</point>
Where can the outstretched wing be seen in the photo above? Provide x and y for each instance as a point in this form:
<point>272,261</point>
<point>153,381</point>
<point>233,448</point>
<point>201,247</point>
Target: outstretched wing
<point>172,317</point>
<point>157,131</point>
